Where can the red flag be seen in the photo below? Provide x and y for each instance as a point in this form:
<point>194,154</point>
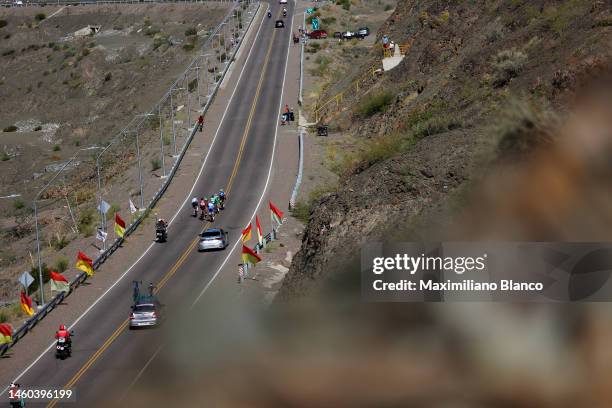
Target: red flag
<point>26,304</point>
<point>6,333</point>
<point>276,214</point>
<point>259,233</point>
<point>249,256</point>
<point>59,283</point>
<point>84,263</point>
<point>246,233</point>
<point>119,226</point>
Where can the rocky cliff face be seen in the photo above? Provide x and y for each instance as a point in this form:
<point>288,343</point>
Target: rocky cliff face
<point>451,117</point>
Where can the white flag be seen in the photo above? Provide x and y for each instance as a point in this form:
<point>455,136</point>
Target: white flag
<point>133,208</point>
<point>101,235</point>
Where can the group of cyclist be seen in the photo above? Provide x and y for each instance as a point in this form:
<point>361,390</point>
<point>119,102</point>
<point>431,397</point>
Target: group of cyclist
<point>208,205</point>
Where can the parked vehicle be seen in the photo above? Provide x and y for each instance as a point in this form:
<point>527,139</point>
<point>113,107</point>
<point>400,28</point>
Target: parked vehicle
<point>338,34</point>
<point>317,34</point>
<point>363,32</point>
<point>279,24</point>
<point>213,238</point>
<point>348,35</point>
<point>282,2</point>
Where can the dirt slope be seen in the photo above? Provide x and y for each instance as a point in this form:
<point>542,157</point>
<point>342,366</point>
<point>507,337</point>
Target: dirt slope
<point>482,84</point>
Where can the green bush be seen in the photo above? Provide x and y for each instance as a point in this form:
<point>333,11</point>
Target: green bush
<point>46,274</point>
<point>523,127</point>
<point>375,103</point>
<point>57,148</point>
<point>3,23</point>
<point>155,164</point>
<point>87,221</point>
<point>11,128</point>
<point>40,16</point>
<point>59,242</point>
<point>188,46</point>
<point>7,53</point>
<point>192,85</point>
<point>328,20</point>
<point>301,211</point>
<point>4,156</point>
<point>190,31</point>
<point>388,7</point>
<point>507,64</point>
<point>61,265</point>
<point>18,204</point>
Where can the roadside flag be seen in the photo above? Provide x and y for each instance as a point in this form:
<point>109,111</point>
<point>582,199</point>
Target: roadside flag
<point>26,304</point>
<point>59,283</point>
<point>101,235</point>
<point>85,264</point>
<point>119,226</point>
<point>249,256</point>
<point>259,233</point>
<point>276,214</point>
<point>6,333</point>
<point>133,208</point>
<point>246,233</point>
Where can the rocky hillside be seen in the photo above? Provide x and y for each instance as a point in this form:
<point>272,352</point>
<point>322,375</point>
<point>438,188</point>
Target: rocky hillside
<point>486,90</point>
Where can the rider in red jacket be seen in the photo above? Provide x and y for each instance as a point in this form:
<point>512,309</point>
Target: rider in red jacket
<point>62,332</point>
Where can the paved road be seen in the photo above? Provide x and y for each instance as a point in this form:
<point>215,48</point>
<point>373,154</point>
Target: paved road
<point>106,356</point>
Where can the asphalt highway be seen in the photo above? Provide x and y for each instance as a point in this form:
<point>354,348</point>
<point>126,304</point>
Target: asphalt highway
<point>107,357</point>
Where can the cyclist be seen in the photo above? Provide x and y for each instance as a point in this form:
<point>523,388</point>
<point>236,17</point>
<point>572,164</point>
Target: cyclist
<point>194,204</point>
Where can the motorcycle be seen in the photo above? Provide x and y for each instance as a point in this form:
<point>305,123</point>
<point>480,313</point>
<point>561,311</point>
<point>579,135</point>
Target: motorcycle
<point>202,212</point>
<point>222,204</point>
<point>211,216</point>
<point>195,211</point>
<point>160,233</point>
<point>284,13</point>
<point>269,14</point>
<point>63,348</point>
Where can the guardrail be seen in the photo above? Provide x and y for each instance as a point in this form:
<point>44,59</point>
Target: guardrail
<point>82,277</point>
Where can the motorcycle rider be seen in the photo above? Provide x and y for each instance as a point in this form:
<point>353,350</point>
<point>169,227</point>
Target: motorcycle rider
<point>284,11</point>
<point>65,334</point>
<point>269,14</point>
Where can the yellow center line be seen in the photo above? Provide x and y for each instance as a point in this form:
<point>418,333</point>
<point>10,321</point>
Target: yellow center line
<point>193,243</point>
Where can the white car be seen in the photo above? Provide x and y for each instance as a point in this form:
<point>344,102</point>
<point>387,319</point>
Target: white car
<point>282,2</point>
<point>212,238</point>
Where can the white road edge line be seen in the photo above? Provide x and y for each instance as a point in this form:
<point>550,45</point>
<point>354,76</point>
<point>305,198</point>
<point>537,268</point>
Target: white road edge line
<point>175,215</point>
<point>263,194</point>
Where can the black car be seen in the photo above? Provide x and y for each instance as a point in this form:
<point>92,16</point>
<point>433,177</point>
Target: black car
<point>337,34</point>
<point>279,24</point>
